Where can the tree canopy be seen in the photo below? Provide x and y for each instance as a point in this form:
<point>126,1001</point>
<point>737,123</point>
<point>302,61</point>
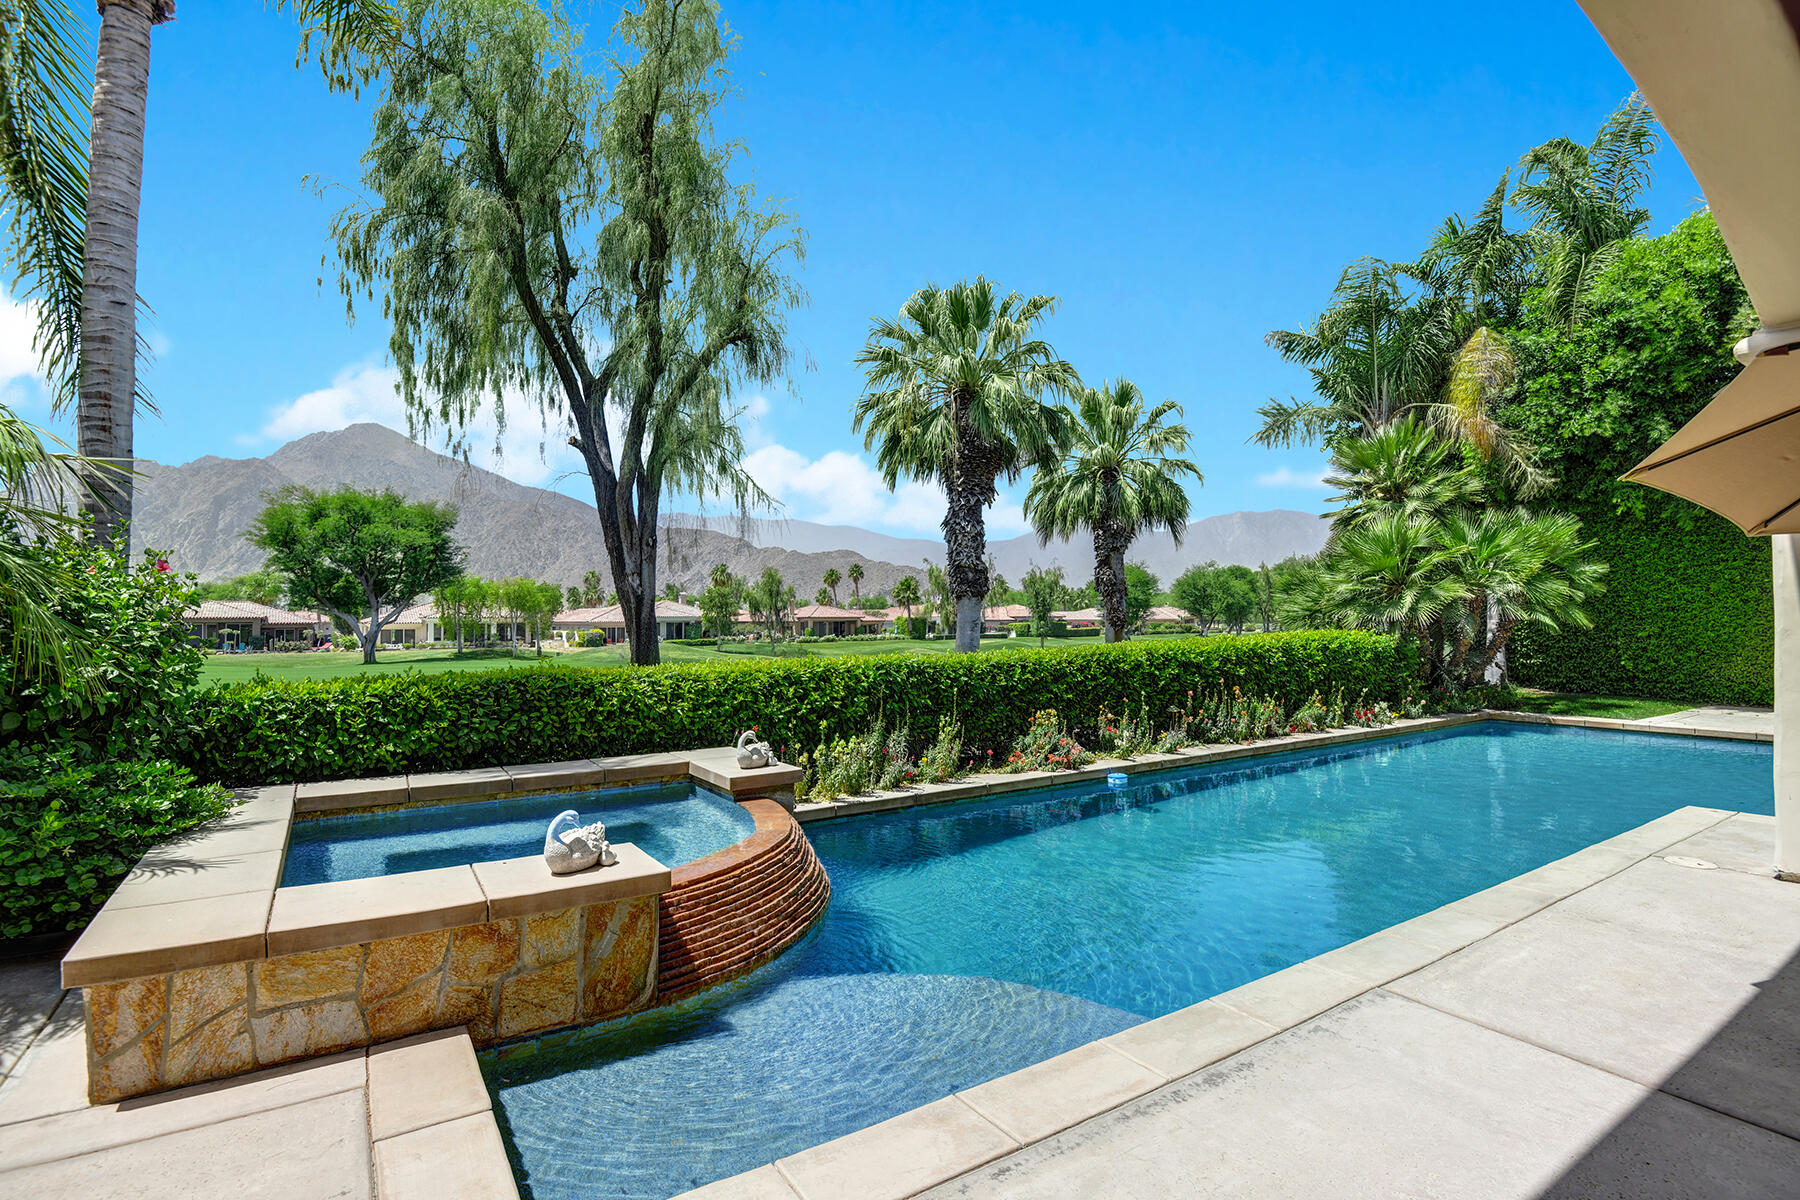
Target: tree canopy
<point>361,556</point>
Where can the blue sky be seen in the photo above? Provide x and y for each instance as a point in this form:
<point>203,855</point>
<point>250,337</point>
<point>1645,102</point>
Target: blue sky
<point>1183,177</point>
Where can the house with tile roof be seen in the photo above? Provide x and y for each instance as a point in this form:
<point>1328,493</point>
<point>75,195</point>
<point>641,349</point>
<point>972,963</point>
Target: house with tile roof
<point>239,621</point>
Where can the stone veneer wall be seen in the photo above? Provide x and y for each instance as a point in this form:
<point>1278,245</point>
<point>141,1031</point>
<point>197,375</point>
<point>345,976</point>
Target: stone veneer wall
<point>730,912</point>
<point>503,979</point>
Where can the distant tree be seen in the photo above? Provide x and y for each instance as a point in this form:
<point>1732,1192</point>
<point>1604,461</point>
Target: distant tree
<point>262,587</point>
<point>940,598</point>
<point>953,396</point>
<point>906,594</point>
<point>1265,596</point>
<point>1196,593</point>
<point>832,579</point>
<point>360,556</point>
<point>1043,591</point>
<point>856,578</point>
<point>462,605</point>
<point>593,590</point>
<point>998,591</point>
<point>1141,592</point>
<point>766,598</point>
<point>671,591</point>
<point>589,241</point>
<point>1120,476</point>
<point>822,596</point>
<point>1236,596</point>
<point>573,597</point>
<point>719,603</point>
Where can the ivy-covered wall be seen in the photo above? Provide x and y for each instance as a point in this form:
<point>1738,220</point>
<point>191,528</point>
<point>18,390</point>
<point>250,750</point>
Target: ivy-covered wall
<point>1687,614</point>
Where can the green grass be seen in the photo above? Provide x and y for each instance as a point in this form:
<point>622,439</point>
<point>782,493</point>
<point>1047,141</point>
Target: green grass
<point>235,668</point>
<point>1619,708</point>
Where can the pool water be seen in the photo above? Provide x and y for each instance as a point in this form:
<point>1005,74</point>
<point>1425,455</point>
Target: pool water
<point>965,941</point>
<point>673,822</point>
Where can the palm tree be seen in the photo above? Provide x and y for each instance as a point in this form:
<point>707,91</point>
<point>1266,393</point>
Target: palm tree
<point>1584,200</point>
<point>593,589</point>
<point>906,594</point>
<point>1404,468</point>
<point>954,387</point>
<point>832,579</point>
<point>351,32</point>
<point>856,578</point>
<point>1120,476</point>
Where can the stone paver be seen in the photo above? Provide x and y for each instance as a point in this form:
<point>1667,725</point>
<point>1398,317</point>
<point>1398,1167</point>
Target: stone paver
<point>458,1160</point>
<point>318,916</point>
<point>1732,718</point>
<point>30,990</point>
<point>422,1081</point>
<point>899,1157</point>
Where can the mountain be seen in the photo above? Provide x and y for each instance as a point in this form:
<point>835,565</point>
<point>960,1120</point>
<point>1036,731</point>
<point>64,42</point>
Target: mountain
<point>197,512</point>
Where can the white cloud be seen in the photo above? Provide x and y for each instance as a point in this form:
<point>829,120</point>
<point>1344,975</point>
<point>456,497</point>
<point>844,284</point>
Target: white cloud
<point>367,393</point>
<point>1287,477</point>
<point>21,376</point>
<point>842,488</point>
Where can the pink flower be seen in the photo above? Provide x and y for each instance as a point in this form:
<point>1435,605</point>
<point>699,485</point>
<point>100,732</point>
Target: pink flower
<point>162,565</point>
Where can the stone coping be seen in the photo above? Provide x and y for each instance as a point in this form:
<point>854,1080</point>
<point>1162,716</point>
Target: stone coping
<point>716,767</point>
<point>213,896</point>
<point>918,1150</point>
<point>997,783</point>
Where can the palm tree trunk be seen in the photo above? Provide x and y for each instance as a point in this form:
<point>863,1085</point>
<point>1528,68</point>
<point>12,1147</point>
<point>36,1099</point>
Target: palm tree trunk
<point>109,258</point>
<point>1109,582</point>
<point>965,547</point>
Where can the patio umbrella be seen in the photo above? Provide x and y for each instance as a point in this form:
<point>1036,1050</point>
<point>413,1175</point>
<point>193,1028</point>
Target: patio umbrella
<point>1740,456</point>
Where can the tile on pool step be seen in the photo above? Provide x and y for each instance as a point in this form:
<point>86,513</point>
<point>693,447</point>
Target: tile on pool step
<point>1191,1038</point>
<point>900,1156</point>
<point>1381,957</point>
<point>1506,902</point>
<point>317,916</point>
<point>764,1183</point>
<point>330,794</point>
<point>574,775</point>
<point>168,874</point>
<point>518,887</point>
<point>1050,1096</point>
<point>424,1080</point>
<point>636,768</point>
<point>456,785</point>
<point>457,1160</point>
<point>124,943</point>
<point>1300,993</point>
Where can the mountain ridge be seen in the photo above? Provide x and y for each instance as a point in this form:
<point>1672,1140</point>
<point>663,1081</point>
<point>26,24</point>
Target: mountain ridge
<point>196,513</point>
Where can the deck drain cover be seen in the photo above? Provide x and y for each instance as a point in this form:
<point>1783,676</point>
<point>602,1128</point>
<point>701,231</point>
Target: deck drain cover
<point>1698,864</point>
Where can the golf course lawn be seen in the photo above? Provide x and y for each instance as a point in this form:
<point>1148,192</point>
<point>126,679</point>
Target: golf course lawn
<point>331,664</point>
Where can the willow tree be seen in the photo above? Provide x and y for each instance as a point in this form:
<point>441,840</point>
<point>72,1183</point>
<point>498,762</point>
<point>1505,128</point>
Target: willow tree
<point>534,234</point>
<point>956,394</point>
<point>1120,476</point>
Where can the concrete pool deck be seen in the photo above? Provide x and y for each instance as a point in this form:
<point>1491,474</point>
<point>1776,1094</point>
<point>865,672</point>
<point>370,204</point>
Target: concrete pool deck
<point>1637,1035</point>
<point>1610,1024</point>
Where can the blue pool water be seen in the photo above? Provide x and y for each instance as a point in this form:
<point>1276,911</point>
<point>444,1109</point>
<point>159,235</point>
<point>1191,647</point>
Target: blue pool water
<point>673,823</point>
<point>965,941</point>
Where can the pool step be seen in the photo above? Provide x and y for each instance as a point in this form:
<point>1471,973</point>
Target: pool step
<point>732,911</point>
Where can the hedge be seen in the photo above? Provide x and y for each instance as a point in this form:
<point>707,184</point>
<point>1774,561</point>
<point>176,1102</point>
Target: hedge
<point>275,731</point>
<point>1688,614</point>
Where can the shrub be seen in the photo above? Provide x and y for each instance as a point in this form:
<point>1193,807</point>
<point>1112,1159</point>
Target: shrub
<point>1046,745</point>
<point>69,832</point>
<point>915,628</point>
<point>943,758</point>
<point>139,662</point>
<point>593,637</point>
<point>267,730</point>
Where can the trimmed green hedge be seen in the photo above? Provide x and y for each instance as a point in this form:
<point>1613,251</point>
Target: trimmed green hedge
<point>266,731</point>
<point>1688,614</point>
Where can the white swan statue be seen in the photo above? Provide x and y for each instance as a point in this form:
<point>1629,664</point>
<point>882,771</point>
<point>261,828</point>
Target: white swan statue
<point>569,847</point>
<point>753,753</point>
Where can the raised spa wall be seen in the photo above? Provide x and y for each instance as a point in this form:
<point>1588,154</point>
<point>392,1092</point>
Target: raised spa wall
<point>200,966</point>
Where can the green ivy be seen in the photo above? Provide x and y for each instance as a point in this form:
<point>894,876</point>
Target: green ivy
<point>70,832</point>
<point>267,731</point>
<point>1687,614</point>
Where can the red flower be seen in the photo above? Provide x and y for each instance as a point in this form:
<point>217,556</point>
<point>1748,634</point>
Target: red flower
<point>162,565</point>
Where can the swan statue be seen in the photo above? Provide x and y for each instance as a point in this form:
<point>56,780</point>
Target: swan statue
<point>752,753</point>
<point>569,847</point>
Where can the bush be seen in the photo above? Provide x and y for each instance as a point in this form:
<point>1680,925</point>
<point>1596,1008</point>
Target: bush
<point>69,832</point>
<point>141,668</point>
<point>267,730</point>
<point>593,637</point>
<point>915,628</point>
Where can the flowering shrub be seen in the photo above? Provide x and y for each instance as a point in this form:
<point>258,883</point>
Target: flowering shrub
<point>1128,734</point>
<point>850,766</point>
<point>136,672</point>
<point>943,757</point>
<point>1045,746</point>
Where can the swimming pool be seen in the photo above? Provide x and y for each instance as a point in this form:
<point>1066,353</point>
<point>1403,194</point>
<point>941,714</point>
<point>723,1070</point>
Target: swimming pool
<point>674,822</point>
<point>965,941</point>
